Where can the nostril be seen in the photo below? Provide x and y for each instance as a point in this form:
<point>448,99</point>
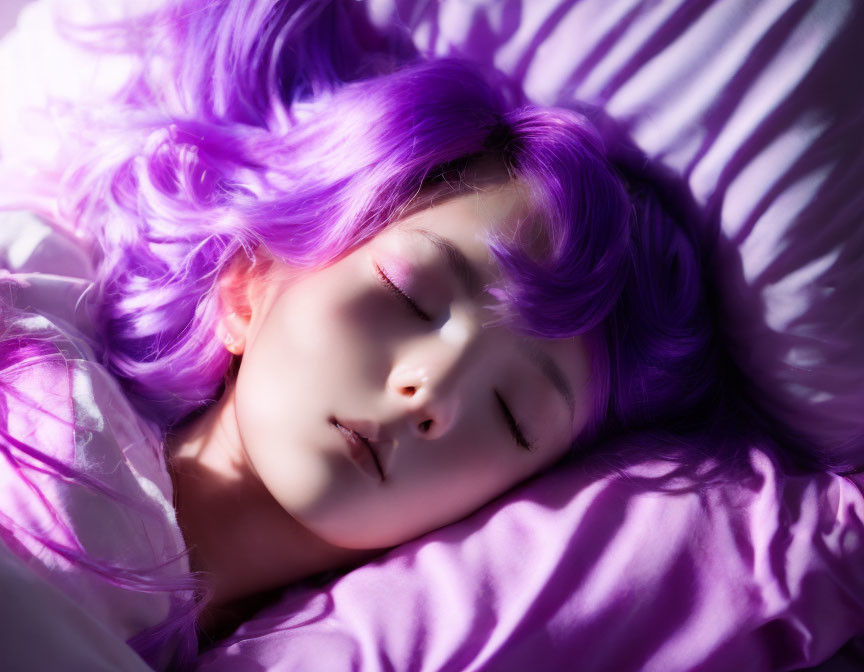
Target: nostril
<point>409,390</point>
<point>425,425</point>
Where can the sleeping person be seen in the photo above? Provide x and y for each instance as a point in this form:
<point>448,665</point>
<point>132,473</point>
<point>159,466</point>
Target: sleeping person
<point>445,296</point>
<point>362,313</point>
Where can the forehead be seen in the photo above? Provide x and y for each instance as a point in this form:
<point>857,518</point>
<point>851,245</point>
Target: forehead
<point>472,217</point>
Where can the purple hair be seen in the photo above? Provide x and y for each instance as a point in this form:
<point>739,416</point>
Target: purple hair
<point>258,128</point>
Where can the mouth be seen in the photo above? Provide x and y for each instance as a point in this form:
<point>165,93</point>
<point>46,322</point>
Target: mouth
<point>360,447</point>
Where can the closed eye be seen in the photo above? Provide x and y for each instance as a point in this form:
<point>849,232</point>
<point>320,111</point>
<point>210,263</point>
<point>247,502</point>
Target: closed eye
<point>512,425</point>
<point>404,298</point>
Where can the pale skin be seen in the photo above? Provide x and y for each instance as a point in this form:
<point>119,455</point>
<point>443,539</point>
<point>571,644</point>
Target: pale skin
<point>267,491</point>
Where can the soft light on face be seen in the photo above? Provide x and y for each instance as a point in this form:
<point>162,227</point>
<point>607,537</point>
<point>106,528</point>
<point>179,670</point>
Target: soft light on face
<point>392,341</point>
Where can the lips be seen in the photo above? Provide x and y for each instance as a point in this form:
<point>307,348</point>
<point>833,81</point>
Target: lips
<point>362,449</point>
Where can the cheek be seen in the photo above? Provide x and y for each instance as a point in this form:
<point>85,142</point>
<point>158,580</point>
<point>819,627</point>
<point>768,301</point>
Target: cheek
<point>317,350</point>
<point>281,368</point>
<point>319,332</point>
<point>308,359</point>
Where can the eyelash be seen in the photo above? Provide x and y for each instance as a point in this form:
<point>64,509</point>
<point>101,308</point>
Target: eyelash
<point>387,282</point>
<point>515,430</point>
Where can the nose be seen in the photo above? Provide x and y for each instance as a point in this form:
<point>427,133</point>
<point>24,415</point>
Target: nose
<point>429,409</point>
<point>431,377</point>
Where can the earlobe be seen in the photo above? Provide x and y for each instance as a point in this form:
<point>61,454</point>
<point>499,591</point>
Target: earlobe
<point>231,331</point>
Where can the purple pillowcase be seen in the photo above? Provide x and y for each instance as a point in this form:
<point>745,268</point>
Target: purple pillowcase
<point>572,571</point>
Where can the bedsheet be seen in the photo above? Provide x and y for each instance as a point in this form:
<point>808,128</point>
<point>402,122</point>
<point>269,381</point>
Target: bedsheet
<point>756,104</point>
<point>45,629</point>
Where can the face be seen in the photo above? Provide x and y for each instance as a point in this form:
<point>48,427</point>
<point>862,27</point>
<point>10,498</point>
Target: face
<point>375,401</point>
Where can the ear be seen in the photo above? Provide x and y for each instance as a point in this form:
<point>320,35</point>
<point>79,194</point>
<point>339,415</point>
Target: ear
<point>240,295</point>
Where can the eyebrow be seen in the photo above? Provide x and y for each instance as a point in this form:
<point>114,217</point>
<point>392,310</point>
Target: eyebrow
<point>456,261</point>
<point>472,283</point>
